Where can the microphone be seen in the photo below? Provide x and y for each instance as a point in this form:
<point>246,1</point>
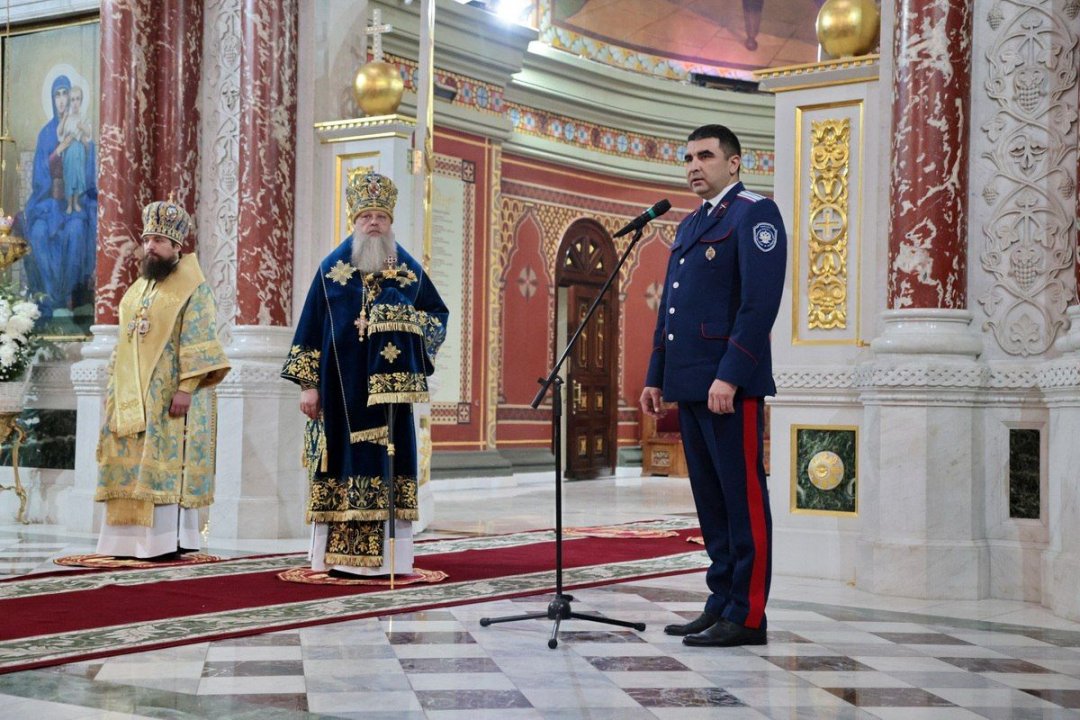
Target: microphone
<point>643,219</point>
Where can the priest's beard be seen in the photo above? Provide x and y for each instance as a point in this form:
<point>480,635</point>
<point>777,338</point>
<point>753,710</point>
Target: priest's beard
<point>157,269</point>
<point>369,252</point>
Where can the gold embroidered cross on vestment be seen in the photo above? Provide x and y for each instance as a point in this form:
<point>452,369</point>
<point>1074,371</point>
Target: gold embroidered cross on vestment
<point>390,352</point>
<point>341,272</point>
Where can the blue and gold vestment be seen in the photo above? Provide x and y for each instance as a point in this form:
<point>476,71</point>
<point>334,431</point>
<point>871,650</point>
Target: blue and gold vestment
<point>345,449</point>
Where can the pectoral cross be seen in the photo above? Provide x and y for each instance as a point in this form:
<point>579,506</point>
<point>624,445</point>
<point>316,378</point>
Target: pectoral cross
<point>375,31</point>
<point>361,325</point>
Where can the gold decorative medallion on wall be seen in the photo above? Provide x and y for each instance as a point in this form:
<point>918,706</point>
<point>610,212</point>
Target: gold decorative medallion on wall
<point>830,156</point>
<point>824,470</point>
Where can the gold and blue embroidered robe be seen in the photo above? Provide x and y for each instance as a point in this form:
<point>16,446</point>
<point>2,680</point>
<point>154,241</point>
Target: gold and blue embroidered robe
<point>145,456</point>
<point>345,449</point>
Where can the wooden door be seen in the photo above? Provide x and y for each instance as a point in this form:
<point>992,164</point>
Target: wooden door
<point>592,386</point>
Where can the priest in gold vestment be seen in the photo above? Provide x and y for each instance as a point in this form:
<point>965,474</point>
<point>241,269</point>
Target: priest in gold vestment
<point>156,450</point>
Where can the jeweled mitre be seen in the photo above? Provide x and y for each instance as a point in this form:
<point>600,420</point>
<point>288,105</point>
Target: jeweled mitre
<point>166,218</point>
<point>370,192</point>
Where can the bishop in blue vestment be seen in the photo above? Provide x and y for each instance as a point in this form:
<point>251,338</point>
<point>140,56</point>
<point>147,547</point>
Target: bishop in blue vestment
<point>367,336</point>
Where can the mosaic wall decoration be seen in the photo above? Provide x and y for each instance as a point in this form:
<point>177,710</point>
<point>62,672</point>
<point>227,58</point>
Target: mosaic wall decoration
<point>824,469</point>
<point>487,98</point>
<point>469,92</point>
<point>612,141</point>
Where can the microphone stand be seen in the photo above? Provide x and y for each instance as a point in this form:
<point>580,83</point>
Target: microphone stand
<point>559,608</point>
<point>390,495</point>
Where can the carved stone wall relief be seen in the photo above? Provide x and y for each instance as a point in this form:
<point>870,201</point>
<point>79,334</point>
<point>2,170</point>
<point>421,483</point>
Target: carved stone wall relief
<point>1028,241</point>
<point>220,139</point>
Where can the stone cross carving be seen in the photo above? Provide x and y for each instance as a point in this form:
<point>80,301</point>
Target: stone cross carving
<point>375,31</point>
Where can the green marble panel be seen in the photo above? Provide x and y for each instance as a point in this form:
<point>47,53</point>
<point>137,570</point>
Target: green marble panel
<point>834,449</point>
<point>50,440</point>
<point>1024,473</point>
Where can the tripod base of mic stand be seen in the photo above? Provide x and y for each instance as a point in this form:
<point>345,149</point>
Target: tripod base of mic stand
<point>558,610</point>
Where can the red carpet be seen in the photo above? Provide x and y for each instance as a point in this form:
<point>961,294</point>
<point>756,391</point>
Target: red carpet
<point>60,617</point>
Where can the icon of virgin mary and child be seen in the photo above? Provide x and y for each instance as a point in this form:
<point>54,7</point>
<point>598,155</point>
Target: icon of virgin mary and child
<point>60,217</point>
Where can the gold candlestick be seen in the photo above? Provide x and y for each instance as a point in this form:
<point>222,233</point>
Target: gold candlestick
<point>8,425</point>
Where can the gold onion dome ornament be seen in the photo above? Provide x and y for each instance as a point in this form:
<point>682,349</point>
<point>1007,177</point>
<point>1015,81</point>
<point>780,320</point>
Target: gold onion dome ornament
<point>378,87</point>
<point>847,28</point>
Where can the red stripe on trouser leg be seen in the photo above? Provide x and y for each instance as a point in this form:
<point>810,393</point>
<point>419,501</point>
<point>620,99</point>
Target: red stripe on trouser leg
<point>756,508</point>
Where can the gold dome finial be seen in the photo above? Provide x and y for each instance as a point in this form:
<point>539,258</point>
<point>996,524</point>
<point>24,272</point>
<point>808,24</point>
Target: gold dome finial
<point>846,28</point>
<point>377,85</point>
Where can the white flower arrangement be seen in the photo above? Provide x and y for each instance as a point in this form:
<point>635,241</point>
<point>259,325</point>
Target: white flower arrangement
<point>18,346</point>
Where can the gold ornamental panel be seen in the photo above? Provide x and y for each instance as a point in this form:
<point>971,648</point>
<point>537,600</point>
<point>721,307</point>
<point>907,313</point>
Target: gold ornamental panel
<point>827,226</point>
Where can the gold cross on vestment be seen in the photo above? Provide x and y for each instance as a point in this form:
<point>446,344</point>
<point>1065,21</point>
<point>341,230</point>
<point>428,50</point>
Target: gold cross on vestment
<point>390,353</point>
<point>375,31</point>
<point>341,272</point>
<point>361,325</point>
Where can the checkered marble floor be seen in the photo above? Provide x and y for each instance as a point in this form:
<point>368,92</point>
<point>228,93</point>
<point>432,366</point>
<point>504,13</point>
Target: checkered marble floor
<point>834,652</point>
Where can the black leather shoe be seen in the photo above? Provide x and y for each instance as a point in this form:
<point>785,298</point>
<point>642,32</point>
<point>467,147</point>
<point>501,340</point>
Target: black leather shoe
<point>727,634</point>
<point>703,622</point>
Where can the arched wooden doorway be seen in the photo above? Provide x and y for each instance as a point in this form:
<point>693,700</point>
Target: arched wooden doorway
<point>586,256</point>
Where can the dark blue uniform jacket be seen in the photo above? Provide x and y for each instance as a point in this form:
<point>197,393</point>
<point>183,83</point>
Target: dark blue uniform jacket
<point>721,294</point>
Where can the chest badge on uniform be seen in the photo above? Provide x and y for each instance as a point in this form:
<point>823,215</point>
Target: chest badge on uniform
<point>710,253</point>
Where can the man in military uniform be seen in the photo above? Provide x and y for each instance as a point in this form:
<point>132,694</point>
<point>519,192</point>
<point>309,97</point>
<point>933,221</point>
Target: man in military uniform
<point>711,355</point>
<point>367,338</point>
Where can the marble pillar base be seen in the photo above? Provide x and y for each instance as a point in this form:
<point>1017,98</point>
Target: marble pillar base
<point>809,541</point>
<point>89,377</point>
<point>927,334</point>
<point>261,489</point>
<point>1060,382</point>
<point>1061,573</point>
<point>924,568</point>
<point>923,528</point>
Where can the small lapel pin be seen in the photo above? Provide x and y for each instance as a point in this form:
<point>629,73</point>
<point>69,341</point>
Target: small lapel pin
<point>710,254</point>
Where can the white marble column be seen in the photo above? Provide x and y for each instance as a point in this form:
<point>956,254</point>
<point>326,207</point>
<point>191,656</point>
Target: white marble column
<point>923,522</point>
<point>261,485</point>
<point>248,186</point>
<point>89,377</point>
<point>1060,383</point>
<point>923,519</point>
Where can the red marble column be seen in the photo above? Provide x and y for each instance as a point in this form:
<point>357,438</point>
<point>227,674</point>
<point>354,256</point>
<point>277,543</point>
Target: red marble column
<point>149,129</point>
<point>178,59</point>
<point>126,150</point>
<point>930,124</point>
<point>267,162</point>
